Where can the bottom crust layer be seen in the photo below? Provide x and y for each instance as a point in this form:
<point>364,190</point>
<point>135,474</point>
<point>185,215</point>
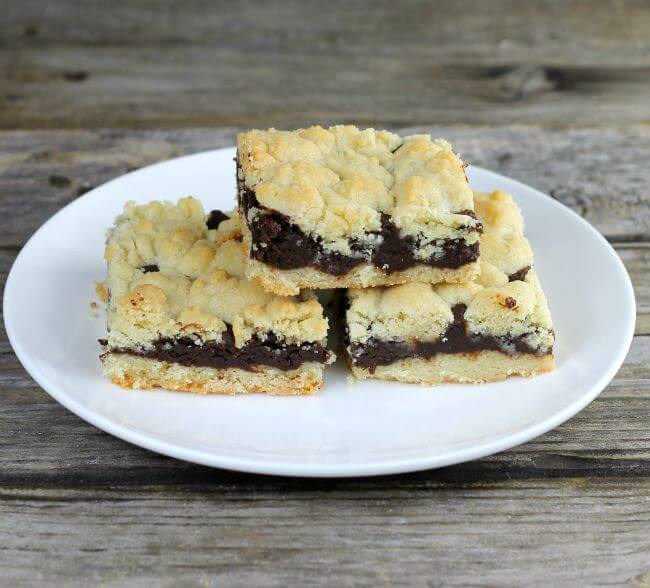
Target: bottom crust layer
<point>130,371</point>
<point>285,282</point>
<point>462,368</point>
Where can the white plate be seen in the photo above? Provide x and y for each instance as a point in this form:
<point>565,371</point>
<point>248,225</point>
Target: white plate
<point>346,430</point>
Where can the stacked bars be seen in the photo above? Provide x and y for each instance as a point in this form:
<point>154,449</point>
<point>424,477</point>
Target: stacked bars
<point>182,315</point>
<point>218,304</point>
<point>349,208</point>
<point>484,330</point>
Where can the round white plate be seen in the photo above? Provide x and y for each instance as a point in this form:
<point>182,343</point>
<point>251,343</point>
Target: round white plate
<point>348,429</point>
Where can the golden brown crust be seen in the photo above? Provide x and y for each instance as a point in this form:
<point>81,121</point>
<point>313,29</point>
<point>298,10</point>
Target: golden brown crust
<point>336,183</point>
<point>136,372</point>
<point>460,368</point>
<point>495,305</point>
<point>169,276</point>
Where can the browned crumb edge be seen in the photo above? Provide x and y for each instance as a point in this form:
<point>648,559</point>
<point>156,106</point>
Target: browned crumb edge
<point>465,368</point>
<point>131,371</point>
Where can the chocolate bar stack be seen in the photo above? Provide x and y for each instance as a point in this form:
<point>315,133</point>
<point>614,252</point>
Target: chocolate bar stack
<point>438,280</point>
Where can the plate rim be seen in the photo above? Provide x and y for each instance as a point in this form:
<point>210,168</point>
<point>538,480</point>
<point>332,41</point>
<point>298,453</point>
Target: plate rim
<point>294,469</point>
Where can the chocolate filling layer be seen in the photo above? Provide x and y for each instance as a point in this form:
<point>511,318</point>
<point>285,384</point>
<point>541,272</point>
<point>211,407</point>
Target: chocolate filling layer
<point>224,354</point>
<point>456,339</point>
<point>215,218</point>
<point>519,275</point>
<point>280,243</point>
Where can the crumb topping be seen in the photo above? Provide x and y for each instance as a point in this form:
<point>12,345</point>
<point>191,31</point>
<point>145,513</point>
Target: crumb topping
<point>336,183</point>
<point>170,276</point>
<point>495,305</point>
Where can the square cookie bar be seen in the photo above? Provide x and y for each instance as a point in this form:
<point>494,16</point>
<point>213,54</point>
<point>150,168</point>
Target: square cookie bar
<point>349,208</point>
<point>182,315</point>
<point>485,330</point>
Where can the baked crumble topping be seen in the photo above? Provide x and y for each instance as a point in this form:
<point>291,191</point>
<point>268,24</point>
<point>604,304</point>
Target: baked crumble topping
<point>493,305</point>
<point>170,276</point>
<point>338,184</point>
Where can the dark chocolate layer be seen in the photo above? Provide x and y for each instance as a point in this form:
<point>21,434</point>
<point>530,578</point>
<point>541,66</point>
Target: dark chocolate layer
<point>215,218</point>
<point>519,275</point>
<point>280,243</point>
<point>456,339</point>
<point>268,351</point>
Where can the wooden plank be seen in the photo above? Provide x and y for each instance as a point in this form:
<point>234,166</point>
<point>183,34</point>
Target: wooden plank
<point>507,534</point>
<point>601,173</point>
<point>289,64</point>
<point>569,508</point>
<point>46,445</point>
<point>194,63</point>
<point>39,172</point>
<point>637,261</point>
<point>504,32</point>
<point>192,85</point>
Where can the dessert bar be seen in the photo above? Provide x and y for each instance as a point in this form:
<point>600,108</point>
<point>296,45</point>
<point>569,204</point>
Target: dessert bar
<point>343,208</point>
<point>182,315</point>
<point>484,330</point>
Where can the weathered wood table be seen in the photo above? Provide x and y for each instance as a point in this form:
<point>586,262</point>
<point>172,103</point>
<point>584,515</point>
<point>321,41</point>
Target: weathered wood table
<point>556,94</point>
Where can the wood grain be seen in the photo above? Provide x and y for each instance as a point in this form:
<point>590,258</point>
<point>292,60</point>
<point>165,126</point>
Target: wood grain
<point>287,65</point>
<point>486,535</point>
<point>570,508</point>
<point>45,445</point>
<point>601,173</point>
<point>41,171</point>
<point>585,32</point>
<point>198,86</point>
<point>79,506</point>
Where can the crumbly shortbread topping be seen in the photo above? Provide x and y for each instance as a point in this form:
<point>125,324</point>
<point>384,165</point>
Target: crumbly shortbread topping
<point>169,276</point>
<point>495,305</point>
<point>336,183</point>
